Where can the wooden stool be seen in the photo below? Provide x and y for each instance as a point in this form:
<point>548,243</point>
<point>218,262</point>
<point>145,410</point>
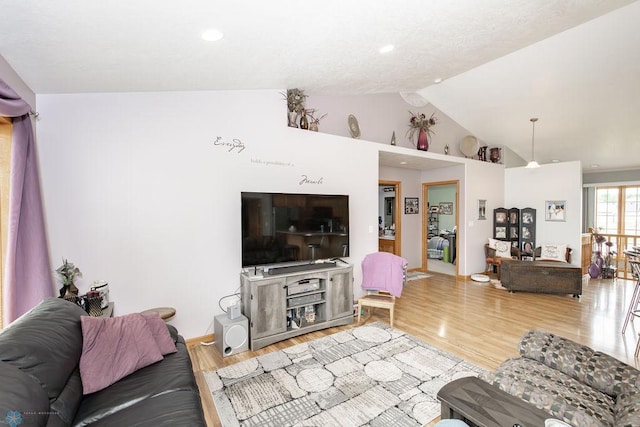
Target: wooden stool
<point>165,313</point>
<point>379,300</point>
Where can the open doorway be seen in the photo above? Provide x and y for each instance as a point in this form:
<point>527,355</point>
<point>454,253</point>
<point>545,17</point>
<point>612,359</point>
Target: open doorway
<point>440,227</point>
<point>389,217</point>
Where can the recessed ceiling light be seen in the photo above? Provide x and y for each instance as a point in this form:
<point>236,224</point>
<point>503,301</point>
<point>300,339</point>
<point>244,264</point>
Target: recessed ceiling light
<point>212,35</point>
<point>595,165</point>
<point>555,161</point>
<point>403,163</point>
<point>437,80</point>
<point>386,49</point>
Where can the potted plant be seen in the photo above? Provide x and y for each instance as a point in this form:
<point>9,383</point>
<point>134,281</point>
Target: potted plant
<point>422,125</point>
<point>68,273</point>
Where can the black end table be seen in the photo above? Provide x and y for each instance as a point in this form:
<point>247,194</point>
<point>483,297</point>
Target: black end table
<point>475,401</point>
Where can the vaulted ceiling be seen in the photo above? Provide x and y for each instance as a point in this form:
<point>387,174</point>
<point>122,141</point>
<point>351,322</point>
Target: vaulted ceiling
<point>574,64</point>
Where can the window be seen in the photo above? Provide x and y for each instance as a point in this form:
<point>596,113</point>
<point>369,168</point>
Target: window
<point>618,210</point>
<point>632,211</point>
<point>607,210</point>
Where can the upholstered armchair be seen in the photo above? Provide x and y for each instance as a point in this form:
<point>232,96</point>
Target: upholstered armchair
<point>493,259</point>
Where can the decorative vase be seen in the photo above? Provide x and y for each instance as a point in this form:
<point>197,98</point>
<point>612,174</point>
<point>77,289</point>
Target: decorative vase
<point>423,140</point>
<point>304,122</point>
<point>313,126</point>
<point>494,154</point>
<point>594,271</point>
<point>71,293</point>
<point>292,118</point>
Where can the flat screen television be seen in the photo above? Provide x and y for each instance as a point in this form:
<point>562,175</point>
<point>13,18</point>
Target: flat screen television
<point>290,227</point>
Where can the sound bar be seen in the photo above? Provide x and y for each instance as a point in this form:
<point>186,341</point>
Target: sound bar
<point>302,267</point>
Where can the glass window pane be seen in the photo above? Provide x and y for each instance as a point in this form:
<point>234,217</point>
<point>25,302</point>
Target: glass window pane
<point>631,212</point>
<point>607,210</point>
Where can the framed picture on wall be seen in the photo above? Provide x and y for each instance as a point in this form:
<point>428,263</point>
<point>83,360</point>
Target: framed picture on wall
<point>410,205</point>
<point>555,210</point>
<point>482,209</point>
<point>446,208</point>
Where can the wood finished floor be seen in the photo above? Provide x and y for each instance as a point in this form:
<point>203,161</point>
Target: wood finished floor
<point>478,323</point>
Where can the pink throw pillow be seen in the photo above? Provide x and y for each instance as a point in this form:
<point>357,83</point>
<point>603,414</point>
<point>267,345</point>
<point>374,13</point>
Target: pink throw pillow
<point>113,348</point>
<point>160,333</point>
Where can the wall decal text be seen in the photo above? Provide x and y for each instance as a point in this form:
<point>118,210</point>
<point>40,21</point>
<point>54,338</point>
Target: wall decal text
<point>234,145</point>
<point>271,162</point>
<point>306,180</point>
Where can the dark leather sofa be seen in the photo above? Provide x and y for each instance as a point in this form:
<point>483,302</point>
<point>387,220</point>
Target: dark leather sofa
<point>40,382</point>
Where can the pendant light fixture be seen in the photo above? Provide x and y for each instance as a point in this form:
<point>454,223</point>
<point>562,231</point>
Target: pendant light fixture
<point>532,163</point>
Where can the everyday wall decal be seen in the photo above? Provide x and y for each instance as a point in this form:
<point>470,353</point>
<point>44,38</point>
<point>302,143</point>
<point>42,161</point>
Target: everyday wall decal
<point>271,162</point>
<point>235,144</point>
<point>306,180</point>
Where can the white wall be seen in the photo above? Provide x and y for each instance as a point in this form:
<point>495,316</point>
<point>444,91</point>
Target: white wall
<point>556,181</point>
<point>411,228</point>
<point>379,115</point>
<point>137,192</point>
<point>481,181</point>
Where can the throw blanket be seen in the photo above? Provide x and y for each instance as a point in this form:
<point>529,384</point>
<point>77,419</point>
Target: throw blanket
<point>383,271</point>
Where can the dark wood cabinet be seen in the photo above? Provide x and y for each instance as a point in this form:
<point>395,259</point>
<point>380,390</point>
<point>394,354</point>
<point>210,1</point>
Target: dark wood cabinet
<point>527,231</point>
<point>500,223</point>
<point>513,229</point>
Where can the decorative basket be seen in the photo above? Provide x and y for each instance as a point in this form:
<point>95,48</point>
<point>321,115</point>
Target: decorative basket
<point>94,306</point>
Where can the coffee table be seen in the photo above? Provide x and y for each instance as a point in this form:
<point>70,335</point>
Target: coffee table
<point>477,402</point>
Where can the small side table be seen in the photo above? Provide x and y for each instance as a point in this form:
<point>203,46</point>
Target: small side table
<point>165,313</point>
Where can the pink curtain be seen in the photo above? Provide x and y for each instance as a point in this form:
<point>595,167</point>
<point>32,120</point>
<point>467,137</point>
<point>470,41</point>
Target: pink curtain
<point>27,275</point>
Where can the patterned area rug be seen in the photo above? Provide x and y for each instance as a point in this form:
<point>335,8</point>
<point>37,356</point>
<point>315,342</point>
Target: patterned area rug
<point>414,275</point>
<point>371,375</point>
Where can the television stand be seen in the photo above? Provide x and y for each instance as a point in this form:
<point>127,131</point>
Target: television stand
<point>300,267</point>
<point>302,299</point>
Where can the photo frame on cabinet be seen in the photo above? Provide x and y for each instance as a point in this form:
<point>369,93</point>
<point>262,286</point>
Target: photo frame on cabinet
<point>501,232</point>
<point>501,217</point>
<point>482,209</point>
<point>555,210</point>
<point>411,205</point>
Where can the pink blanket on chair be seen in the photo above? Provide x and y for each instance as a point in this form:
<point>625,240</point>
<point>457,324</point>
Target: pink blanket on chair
<point>383,271</point>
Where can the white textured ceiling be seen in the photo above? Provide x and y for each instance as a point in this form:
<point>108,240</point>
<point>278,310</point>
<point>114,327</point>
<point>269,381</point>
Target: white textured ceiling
<point>331,47</point>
